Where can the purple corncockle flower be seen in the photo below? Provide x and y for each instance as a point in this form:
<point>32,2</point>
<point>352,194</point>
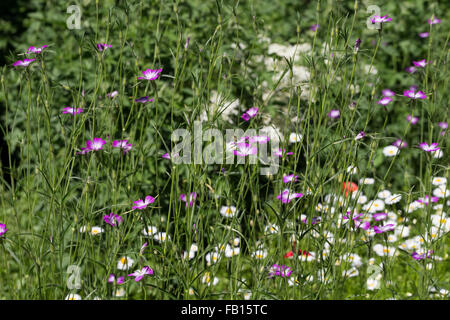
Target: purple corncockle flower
<point>290,178</point>
<point>192,197</point>
<point>250,113</point>
<point>112,279</point>
<point>417,256</point>
<point>280,152</point>
<point>145,245</point>
<point>385,101</point>
<point>388,93</point>
<point>379,216</point>
<point>122,144</point>
<point>363,225</point>
<point>143,99</point>
<point>139,274</point>
<point>348,216</point>
<point>427,200</point>
<point>95,144</point>
<point>334,114</point>
<point>314,220</point>
<point>187,43</point>
<point>414,95</point>
<point>379,19</point>
<point>434,20</point>
<point>410,69</point>
<point>424,34</point>
<point>385,228</point>
<point>23,63</point>
<point>360,135</point>
<point>245,149</point>
<point>103,46</point>
<point>421,63</point>
<point>314,27</point>
<point>287,196</point>
<point>443,125</point>
<point>112,94</point>
<point>429,148</point>
<point>412,119</point>
<point>279,270</point>
<point>2,229</point>
<point>399,143</point>
<point>357,44</point>
<point>150,74</point>
<point>35,49</point>
<point>142,204</point>
<point>72,110</point>
<point>258,139</point>
<point>113,219</point>
<point>172,155</point>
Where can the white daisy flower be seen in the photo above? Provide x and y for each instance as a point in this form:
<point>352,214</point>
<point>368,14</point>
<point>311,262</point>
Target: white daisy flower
<point>373,284</point>
<point>125,263</point>
<point>96,230</point>
<point>391,151</point>
<point>437,181</point>
<point>294,137</point>
<point>228,211</point>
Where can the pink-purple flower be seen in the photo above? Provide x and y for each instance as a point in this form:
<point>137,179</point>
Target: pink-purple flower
<point>429,147</point>
<point>113,219</point>
<point>287,196</point>
<point>417,256</point>
<point>112,279</point>
<point>434,20</point>
<point>141,273</point>
<point>142,204</point>
<point>72,110</point>
<point>379,216</point>
<point>334,114</point>
<point>23,63</point>
<point>427,200</point>
<point>360,135</point>
<point>245,149</point>
<point>35,49</point>
<point>2,229</point>
<point>388,93</point>
<point>280,152</point>
<point>384,101</point>
<point>410,69</point>
<point>143,99</point>
<point>172,155</point>
<point>421,63</point>
<point>424,34</point>
<point>399,143</point>
<point>414,95</point>
<point>379,19</point>
<point>280,270</point>
<point>150,74</point>
<point>250,113</point>
<point>290,178</point>
<point>412,119</point>
<point>385,228</point>
<point>190,201</point>
<point>103,46</point>
<point>122,144</point>
<point>95,144</point>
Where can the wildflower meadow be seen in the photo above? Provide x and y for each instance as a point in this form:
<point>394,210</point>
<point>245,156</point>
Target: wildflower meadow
<point>224,150</point>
